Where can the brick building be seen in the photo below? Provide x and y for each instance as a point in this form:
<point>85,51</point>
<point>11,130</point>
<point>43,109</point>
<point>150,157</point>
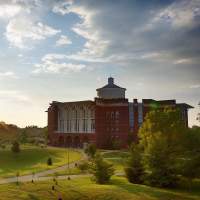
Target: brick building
<point>108,120</point>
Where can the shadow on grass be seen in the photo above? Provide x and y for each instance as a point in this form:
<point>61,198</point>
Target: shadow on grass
<point>157,193</point>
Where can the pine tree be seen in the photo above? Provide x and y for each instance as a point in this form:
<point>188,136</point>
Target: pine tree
<point>134,170</point>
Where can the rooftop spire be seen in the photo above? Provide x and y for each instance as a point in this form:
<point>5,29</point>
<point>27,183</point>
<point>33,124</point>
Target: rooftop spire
<point>110,81</point>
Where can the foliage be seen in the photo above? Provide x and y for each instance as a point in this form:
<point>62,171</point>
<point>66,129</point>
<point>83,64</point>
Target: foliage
<point>198,114</point>
<point>23,137</point>
<point>83,166</point>
<point>134,170</point>
<point>15,147</point>
<point>91,150</point>
<point>49,161</point>
<point>162,137</point>
<point>101,169</point>
<point>162,164</point>
<point>192,155</point>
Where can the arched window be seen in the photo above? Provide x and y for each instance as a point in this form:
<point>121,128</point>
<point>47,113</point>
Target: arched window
<point>117,115</point>
<point>112,115</point>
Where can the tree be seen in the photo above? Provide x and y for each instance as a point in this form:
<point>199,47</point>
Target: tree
<point>91,150</point>
<point>198,114</point>
<point>23,137</point>
<point>15,147</point>
<point>134,170</point>
<point>192,155</point>
<point>161,137</point>
<point>49,161</point>
<point>161,162</point>
<point>101,170</point>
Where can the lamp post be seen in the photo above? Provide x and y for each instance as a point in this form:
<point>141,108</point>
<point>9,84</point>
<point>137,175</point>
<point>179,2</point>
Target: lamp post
<point>68,178</point>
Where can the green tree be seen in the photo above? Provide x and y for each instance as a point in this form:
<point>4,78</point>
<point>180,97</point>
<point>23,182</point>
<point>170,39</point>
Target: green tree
<point>15,147</point>
<point>162,164</point>
<point>91,150</point>
<point>192,154</point>
<point>101,170</point>
<point>161,137</point>
<point>23,137</point>
<point>198,114</point>
<point>49,161</point>
<point>134,170</point>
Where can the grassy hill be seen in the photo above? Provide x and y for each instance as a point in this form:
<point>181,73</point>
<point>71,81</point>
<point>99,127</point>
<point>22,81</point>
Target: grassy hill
<point>85,189</point>
<point>33,159</point>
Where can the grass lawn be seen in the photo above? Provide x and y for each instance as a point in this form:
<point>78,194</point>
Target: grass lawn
<point>117,158</point>
<point>85,189</point>
<point>33,159</point>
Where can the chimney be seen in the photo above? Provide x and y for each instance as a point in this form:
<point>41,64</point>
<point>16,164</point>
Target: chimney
<point>110,81</point>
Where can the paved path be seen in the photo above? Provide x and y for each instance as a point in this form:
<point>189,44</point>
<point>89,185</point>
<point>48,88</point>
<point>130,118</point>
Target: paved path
<point>39,178</point>
<point>42,175</point>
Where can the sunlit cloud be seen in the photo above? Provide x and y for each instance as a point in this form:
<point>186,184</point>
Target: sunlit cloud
<point>63,40</point>
<point>20,31</point>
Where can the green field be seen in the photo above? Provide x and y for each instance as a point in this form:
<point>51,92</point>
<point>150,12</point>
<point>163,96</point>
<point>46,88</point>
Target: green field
<point>33,159</point>
<point>117,158</point>
<point>85,189</point>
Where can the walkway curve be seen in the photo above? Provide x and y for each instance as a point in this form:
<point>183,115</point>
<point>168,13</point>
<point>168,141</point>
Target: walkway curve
<point>42,175</point>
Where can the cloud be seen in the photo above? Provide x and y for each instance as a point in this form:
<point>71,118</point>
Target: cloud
<point>8,74</point>
<point>183,61</point>
<point>11,8</point>
<point>62,7</point>
<point>119,30</point>
<point>55,63</point>
<point>21,31</point>
<point>9,11</point>
<point>197,86</point>
<point>95,46</point>
<point>180,14</point>
<point>63,40</point>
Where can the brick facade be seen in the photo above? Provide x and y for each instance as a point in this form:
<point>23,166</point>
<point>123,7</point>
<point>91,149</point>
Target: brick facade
<point>107,122</point>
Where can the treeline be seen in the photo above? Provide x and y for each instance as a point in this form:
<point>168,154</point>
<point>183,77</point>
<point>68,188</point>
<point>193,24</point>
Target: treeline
<point>30,134</point>
<point>166,153</point>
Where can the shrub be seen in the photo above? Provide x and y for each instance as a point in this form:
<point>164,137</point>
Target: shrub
<point>162,164</point>
<point>49,161</point>
<point>134,170</point>
<point>83,166</point>
<point>91,150</point>
<point>101,170</point>
<point>15,147</point>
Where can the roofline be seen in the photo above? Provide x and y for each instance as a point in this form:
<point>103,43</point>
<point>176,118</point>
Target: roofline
<point>110,88</point>
<point>185,105</point>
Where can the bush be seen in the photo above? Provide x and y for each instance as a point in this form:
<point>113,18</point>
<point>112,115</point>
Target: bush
<point>3,146</point>
<point>49,161</point>
<point>101,170</point>
<point>134,170</point>
<point>83,166</point>
<point>162,164</point>
<point>91,150</point>
<point>15,147</point>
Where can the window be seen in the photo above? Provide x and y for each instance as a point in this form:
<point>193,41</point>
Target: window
<point>112,115</point>
<point>92,124</point>
<point>107,115</point>
<point>85,125</point>
<point>117,115</point>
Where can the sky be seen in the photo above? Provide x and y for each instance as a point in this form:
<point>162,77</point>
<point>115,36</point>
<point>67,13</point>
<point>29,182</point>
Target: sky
<point>62,50</point>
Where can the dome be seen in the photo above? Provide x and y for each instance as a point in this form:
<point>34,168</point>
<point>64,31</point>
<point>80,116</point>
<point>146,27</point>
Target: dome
<point>111,91</point>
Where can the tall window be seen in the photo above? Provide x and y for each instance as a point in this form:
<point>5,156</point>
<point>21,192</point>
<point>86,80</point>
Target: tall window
<point>112,115</point>
<point>92,124</point>
<point>117,115</point>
